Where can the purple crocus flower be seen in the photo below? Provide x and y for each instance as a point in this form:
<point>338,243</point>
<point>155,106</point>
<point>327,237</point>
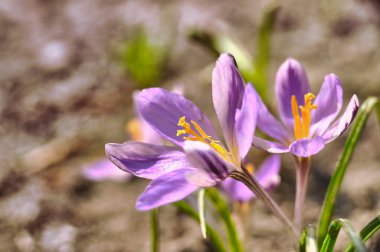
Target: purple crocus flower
<point>138,130</point>
<point>267,175</point>
<point>198,158</point>
<point>307,123</point>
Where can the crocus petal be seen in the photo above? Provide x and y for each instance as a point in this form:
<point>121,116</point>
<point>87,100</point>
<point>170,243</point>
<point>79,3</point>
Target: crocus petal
<point>105,170</point>
<point>162,110</point>
<point>268,172</point>
<point>307,147</point>
<point>148,134</point>
<point>146,160</point>
<point>268,124</point>
<point>166,189</point>
<point>329,103</point>
<point>269,146</point>
<point>291,80</point>
<point>344,121</point>
<point>200,178</point>
<point>237,190</point>
<point>203,157</point>
<point>246,121</point>
<point>227,95</point>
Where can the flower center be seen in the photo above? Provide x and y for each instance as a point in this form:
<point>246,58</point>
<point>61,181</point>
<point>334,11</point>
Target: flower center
<point>198,134</point>
<point>302,122</point>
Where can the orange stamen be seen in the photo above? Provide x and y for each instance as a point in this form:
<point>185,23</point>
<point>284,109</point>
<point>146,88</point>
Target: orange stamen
<point>302,122</point>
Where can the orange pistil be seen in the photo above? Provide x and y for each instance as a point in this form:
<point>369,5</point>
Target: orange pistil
<point>302,122</point>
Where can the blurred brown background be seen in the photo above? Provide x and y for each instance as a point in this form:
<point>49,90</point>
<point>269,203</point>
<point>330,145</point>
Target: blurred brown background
<point>67,71</point>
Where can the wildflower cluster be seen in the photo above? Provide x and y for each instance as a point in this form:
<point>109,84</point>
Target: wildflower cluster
<point>190,155</point>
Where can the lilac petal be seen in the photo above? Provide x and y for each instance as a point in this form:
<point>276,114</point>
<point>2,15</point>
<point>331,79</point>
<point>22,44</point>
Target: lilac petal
<point>307,147</point>
<point>148,134</point>
<point>329,103</point>
<point>246,121</point>
<point>344,121</point>
<point>162,110</point>
<point>269,146</point>
<point>203,157</point>
<point>105,170</point>
<point>268,172</point>
<point>237,190</point>
<point>268,124</point>
<point>166,189</point>
<point>227,95</point>
<point>291,80</point>
<point>200,178</point>
<point>146,160</point>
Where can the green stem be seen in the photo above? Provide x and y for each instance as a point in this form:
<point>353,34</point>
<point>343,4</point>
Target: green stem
<point>154,230</point>
<point>213,236</point>
<point>223,210</point>
<point>260,193</point>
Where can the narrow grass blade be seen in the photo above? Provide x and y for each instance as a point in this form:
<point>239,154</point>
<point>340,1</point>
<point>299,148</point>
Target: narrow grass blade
<point>330,239</point>
<point>154,230</point>
<point>378,112</point>
<point>223,210</point>
<point>340,170</point>
<point>302,244</point>
<point>262,51</point>
<point>308,240</point>
<point>213,236</point>
<point>201,210</point>
<point>367,232</point>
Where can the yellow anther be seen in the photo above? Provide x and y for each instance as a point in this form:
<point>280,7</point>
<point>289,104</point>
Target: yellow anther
<point>200,135</point>
<point>181,132</point>
<point>302,122</point>
<point>182,122</point>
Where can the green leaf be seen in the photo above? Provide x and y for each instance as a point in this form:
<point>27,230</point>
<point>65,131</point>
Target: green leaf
<point>201,210</point>
<point>367,232</point>
<point>262,51</point>
<point>340,170</point>
<point>213,236</point>
<point>223,210</point>
<point>330,239</point>
<point>378,112</point>
<point>308,241</point>
<point>303,241</point>
<point>154,230</point>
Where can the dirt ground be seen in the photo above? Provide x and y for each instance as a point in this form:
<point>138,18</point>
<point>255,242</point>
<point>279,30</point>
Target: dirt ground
<point>63,95</point>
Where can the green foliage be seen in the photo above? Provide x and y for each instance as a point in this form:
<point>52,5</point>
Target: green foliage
<point>367,232</point>
<point>262,52</point>
<point>340,170</point>
<point>224,212</point>
<point>330,239</point>
<point>143,59</point>
<point>308,241</point>
<point>213,236</point>
<point>154,230</point>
